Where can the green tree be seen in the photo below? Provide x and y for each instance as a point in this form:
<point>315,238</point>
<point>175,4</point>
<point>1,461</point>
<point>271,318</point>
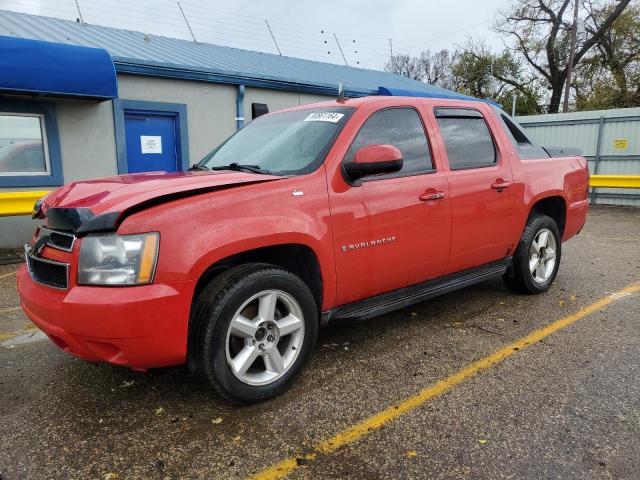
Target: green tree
<point>610,76</point>
<point>481,73</point>
<point>474,70</point>
<point>539,33</point>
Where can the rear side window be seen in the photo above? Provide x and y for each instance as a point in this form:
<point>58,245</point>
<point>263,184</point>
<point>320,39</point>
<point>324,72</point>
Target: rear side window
<point>467,139</point>
<point>402,128</point>
<point>527,150</point>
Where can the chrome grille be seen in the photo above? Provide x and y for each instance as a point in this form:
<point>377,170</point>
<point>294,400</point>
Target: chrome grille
<point>47,272</point>
<point>60,240</point>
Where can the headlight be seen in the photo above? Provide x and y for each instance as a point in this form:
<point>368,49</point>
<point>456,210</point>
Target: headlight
<point>118,259</point>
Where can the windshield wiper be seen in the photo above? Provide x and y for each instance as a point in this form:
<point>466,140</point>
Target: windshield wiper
<point>242,168</point>
<point>198,167</point>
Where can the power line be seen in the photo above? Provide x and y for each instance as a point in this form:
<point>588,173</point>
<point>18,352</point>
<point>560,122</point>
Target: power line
<point>216,26</point>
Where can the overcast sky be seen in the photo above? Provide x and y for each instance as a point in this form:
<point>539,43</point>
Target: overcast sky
<point>303,28</point>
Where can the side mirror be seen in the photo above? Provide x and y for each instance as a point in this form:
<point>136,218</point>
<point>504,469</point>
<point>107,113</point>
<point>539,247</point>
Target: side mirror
<point>374,160</point>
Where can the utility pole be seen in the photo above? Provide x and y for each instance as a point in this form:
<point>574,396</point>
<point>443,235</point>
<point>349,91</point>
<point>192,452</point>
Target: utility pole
<point>391,48</point>
<point>513,104</point>
<point>273,38</point>
<point>572,52</point>
<point>340,48</point>
<point>187,22</point>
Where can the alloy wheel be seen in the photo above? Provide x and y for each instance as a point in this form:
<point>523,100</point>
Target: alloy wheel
<point>265,337</point>
<point>542,255</point>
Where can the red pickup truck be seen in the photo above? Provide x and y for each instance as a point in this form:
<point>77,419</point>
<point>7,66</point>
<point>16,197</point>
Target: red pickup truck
<point>343,209</point>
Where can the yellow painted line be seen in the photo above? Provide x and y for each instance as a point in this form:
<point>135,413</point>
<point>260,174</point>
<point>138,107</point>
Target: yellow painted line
<point>8,335</point>
<point>362,429</point>
<point>615,181</point>
<point>9,310</point>
<point>19,203</point>
<point>5,275</point>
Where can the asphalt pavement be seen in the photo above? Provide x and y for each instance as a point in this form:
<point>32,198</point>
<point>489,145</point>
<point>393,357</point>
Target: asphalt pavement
<point>566,406</point>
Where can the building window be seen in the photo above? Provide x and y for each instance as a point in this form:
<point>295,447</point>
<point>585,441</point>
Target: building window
<point>29,147</point>
<point>23,149</point>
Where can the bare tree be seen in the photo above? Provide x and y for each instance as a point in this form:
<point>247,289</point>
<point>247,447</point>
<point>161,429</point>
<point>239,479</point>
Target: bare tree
<point>437,67</point>
<point>405,65</point>
<point>432,68</point>
<point>540,34</point>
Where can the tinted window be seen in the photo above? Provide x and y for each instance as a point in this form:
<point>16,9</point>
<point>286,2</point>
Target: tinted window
<point>527,150</point>
<point>467,140</point>
<point>400,127</point>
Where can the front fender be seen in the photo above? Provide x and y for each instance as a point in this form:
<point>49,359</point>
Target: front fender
<point>197,232</point>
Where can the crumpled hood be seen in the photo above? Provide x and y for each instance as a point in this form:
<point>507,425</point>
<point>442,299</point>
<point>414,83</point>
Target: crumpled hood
<point>78,206</point>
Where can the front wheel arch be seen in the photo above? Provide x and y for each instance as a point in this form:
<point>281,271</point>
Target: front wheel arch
<point>298,259</point>
<point>215,307</point>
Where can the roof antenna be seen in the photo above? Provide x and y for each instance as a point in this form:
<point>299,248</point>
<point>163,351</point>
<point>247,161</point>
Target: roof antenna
<point>341,97</point>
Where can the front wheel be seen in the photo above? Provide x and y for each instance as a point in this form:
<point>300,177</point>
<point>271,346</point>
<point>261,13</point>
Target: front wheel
<point>537,258</point>
<point>258,327</point>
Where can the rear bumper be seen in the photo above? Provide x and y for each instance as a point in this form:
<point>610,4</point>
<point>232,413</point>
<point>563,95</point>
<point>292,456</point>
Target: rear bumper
<point>139,327</point>
<point>576,218</point>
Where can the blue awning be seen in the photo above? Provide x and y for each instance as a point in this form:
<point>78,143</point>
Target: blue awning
<point>56,69</point>
<point>431,91</point>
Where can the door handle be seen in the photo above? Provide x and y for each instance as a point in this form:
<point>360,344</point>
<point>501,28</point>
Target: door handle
<point>431,195</point>
<point>501,184</point>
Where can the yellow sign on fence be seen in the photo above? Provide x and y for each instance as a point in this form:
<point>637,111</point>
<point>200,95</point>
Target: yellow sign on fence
<point>620,143</point>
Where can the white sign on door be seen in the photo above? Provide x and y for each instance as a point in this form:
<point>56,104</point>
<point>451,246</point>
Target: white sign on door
<point>151,143</point>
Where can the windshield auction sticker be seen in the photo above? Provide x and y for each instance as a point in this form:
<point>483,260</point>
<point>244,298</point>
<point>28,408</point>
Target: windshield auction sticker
<point>324,117</point>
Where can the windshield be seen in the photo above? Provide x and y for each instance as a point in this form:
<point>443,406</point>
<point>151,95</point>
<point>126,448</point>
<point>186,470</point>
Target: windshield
<point>288,143</point>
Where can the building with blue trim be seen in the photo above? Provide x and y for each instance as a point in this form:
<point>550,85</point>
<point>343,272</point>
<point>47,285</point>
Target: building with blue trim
<point>79,101</point>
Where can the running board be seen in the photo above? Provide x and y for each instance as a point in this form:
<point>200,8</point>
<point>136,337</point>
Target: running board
<point>403,297</point>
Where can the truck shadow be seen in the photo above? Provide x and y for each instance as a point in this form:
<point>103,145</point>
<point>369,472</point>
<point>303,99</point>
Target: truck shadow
<point>177,384</point>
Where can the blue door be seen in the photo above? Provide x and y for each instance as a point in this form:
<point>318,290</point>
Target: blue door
<point>152,141</point>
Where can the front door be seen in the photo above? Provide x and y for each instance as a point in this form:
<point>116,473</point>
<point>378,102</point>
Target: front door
<point>484,214</point>
<point>387,233</point>
<point>152,141</point>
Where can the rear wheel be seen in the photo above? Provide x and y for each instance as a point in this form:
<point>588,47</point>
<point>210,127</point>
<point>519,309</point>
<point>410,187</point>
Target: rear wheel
<point>537,258</point>
<point>258,325</point>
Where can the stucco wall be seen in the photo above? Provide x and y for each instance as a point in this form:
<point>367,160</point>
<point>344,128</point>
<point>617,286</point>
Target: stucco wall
<point>277,100</point>
<point>87,141</point>
<point>87,137</point>
<point>211,108</point>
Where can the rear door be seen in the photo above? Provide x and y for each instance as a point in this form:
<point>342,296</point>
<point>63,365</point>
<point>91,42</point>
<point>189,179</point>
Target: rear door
<point>484,210</point>
<point>387,231</point>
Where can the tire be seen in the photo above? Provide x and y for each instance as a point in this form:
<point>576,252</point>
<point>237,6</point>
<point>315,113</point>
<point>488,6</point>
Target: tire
<point>527,276</point>
<point>256,326</point>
